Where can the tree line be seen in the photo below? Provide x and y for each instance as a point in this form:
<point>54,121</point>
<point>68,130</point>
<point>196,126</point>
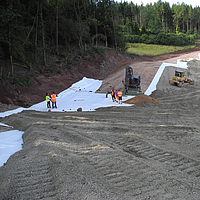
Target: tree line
<point>30,29</point>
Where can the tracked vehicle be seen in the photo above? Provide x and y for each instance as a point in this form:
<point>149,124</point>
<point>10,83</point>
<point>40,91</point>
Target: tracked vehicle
<point>132,83</point>
<point>180,78</point>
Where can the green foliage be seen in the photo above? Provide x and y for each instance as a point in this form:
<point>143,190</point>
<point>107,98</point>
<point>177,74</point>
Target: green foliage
<point>121,41</point>
<point>153,39</point>
<point>164,39</point>
<point>28,29</point>
<point>143,30</point>
<point>134,54</point>
<point>24,81</point>
<point>155,26</point>
<point>144,38</point>
<point>132,38</point>
<point>189,32</point>
<point>94,50</point>
<point>100,50</point>
<point>135,28</point>
<point>132,28</point>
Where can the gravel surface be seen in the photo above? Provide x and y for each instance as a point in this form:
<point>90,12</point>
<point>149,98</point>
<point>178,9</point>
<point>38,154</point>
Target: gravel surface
<point>146,151</point>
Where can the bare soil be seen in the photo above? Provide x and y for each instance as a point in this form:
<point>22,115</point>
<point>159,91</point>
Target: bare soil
<point>141,99</point>
<point>145,151</point>
<point>109,66</point>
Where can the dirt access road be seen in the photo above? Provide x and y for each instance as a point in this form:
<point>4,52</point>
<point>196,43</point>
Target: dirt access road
<point>146,70</point>
<point>146,151</point>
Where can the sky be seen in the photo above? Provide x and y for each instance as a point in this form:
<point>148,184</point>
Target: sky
<point>82,95</point>
<point>194,3</point>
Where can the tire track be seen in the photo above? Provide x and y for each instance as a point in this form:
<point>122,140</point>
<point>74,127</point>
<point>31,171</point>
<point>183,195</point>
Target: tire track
<point>145,150</point>
<point>35,184</point>
<point>31,179</point>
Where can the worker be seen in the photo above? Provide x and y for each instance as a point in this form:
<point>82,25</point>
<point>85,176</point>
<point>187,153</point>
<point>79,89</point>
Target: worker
<point>48,99</point>
<point>116,96</point>
<point>113,95</point>
<point>120,97</point>
<point>53,100</point>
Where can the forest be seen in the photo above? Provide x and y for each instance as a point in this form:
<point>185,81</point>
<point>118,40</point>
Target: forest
<point>31,29</point>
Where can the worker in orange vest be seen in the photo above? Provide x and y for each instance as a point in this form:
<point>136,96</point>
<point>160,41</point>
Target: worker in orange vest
<point>116,96</point>
<point>113,95</point>
<point>120,96</point>
<point>53,100</point>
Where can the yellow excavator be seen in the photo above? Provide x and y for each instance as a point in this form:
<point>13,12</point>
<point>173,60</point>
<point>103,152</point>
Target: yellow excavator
<point>180,78</point>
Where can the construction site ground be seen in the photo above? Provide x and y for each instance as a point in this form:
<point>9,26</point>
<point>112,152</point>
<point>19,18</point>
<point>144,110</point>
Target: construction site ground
<point>145,151</point>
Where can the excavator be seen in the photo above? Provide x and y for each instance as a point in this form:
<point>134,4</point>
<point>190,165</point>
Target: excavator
<point>180,78</point>
<point>131,82</point>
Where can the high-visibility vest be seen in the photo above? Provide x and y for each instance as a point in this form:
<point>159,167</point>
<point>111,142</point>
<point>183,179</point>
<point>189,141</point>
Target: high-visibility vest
<point>117,98</point>
<point>119,94</point>
<point>53,98</point>
<point>48,98</point>
<point>112,92</point>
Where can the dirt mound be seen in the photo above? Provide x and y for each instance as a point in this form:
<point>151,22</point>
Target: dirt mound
<point>141,99</point>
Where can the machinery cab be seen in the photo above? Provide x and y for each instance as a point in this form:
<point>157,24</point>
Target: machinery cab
<point>136,80</point>
<point>180,76</point>
<point>180,73</point>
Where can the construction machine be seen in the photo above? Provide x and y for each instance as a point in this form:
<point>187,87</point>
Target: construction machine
<point>180,78</point>
<point>131,82</point>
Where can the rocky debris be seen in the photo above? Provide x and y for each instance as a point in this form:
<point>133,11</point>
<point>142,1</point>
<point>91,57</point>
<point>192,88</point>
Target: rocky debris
<point>141,99</point>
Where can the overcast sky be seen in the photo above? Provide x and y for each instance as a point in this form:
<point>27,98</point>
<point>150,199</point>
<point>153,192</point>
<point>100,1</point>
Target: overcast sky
<point>194,3</point>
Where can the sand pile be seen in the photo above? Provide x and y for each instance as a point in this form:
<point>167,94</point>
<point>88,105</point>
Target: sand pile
<point>141,99</point>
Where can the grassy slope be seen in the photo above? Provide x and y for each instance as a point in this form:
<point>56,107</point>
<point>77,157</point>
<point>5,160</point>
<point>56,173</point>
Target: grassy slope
<point>154,50</point>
